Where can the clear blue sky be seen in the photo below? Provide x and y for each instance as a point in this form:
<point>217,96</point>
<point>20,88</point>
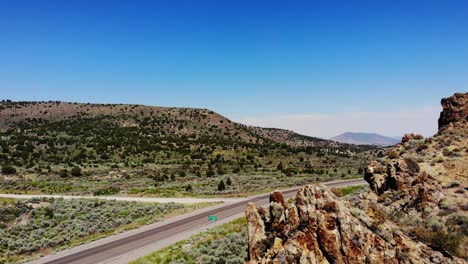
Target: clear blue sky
<point>240,58</point>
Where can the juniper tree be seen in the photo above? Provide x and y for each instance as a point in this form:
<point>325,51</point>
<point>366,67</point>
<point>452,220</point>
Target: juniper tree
<point>221,186</point>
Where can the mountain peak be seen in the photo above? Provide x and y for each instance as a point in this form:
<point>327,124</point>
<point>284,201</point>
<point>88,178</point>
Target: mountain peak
<point>361,138</point>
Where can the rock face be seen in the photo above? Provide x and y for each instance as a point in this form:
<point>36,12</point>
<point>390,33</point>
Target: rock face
<point>317,228</point>
<point>455,110</point>
<point>392,176</point>
<point>405,186</point>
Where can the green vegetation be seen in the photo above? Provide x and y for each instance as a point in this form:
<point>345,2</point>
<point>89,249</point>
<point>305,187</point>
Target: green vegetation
<point>107,191</point>
<point>7,169</point>
<point>221,186</point>
<point>225,244</point>
<point>351,189</point>
<point>136,183</point>
<point>446,234</point>
<point>76,171</point>
<point>340,192</point>
<point>152,151</point>
<point>37,225</point>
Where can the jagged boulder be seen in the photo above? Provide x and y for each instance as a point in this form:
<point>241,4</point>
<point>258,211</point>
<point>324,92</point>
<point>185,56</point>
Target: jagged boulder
<point>256,229</point>
<point>393,176</point>
<point>318,228</point>
<point>404,185</point>
<point>376,175</point>
<point>454,111</point>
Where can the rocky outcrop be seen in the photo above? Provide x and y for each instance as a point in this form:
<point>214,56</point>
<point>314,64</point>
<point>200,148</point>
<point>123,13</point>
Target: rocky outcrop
<point>424,182</point>
<point>408,137</point>
<point>408,186</point>
<point>454,110</point>
<point>318,228</point>
<point>413,212</point>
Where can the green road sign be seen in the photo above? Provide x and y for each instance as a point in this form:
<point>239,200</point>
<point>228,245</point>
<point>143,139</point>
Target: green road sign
<point>212,218</point>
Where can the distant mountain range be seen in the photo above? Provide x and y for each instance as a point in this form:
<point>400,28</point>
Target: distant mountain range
<point>365,139</point>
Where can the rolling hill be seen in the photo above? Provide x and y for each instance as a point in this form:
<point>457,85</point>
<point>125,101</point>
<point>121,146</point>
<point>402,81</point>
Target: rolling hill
<point>122,146</point>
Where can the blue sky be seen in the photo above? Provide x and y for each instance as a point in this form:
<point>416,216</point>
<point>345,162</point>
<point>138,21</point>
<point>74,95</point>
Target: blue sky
<point>258,62</point>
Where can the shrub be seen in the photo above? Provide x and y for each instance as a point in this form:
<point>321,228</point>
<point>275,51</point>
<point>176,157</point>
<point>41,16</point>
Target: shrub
<point>440,239</point>
<point>220,171</point>
<point>350,190</point>
<point>453,184</point>
<point>378,215</point>
<point>221,186</point>
<point>336,191</point>
<point>63,173</point>
<point>422,146</point>
<point>62,222</point>
<point>8,169</point>
<point>107,191</point>
<point>230,250</point>
<point>355,212</point>
<point>49,212</point>
<point>447,241</point>
<point>288,172</point>
<point>76,171</point>
<point>393,154</point>
<point>434,224</point>
<point>210,172</point>
<point>280,166</point>
<point>226,244</point>
<point>444,204</point>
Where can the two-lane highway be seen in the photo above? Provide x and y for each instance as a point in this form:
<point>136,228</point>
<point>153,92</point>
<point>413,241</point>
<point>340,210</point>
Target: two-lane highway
<point>129,247</point>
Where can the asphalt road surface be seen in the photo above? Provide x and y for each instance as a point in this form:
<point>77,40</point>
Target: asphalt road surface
<point>105,253</point>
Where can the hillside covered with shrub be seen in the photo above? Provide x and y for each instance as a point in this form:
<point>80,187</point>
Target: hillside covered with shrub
<point>35,226</point>
<point>48,143</point>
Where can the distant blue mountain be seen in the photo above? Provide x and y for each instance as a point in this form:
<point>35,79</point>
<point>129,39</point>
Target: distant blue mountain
<point>365,139</point>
